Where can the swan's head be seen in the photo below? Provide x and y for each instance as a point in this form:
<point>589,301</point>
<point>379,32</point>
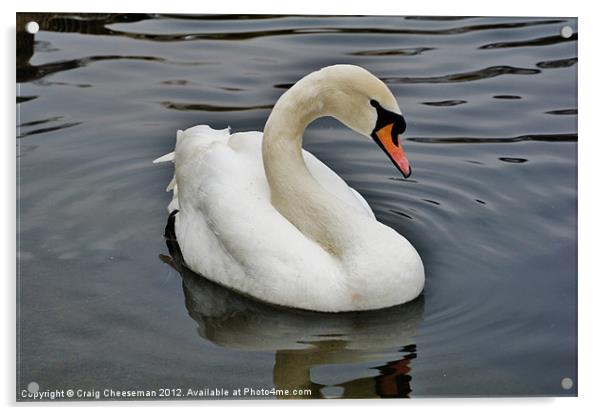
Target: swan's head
<point>364,103</point>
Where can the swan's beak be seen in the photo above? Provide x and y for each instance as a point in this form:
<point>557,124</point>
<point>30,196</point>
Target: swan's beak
<point>387,139</point>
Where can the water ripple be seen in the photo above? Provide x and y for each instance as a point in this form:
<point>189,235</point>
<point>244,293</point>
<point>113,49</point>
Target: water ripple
<point>485,73</point>
<point>83,23</point>
<point>448,103</point>
<point>49,129</point>
<point>569,111</point>
<point>38,122</point>
<point>400,213</point>
<point>516,160</point>
<point>528,137</point>
<point>438,18</point>
<point>540,41</point>
<point>237,36</point>
<point>229,17</point>
<point>21,99</point>
<point>30,72</point>
<point>180,106</point>
<point>557,63</point>
<point>392,52</point>
<point>507,97</point>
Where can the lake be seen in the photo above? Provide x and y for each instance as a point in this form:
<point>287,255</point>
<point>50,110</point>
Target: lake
<point>491,206</point>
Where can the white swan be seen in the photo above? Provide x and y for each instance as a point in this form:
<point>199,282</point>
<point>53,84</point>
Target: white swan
<point>259,215</point>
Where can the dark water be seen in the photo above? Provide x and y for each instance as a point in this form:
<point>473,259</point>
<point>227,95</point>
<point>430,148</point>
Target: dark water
<point>491,206</point>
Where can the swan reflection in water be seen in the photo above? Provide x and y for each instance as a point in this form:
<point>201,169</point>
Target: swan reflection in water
<point>303,340</point>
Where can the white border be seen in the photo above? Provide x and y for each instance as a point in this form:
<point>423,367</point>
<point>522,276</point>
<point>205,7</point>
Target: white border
<point>589,185</point>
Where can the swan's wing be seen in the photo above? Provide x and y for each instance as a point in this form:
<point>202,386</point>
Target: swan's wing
<point>229,231</point>
<point>363,202</point>
<point>335,185</point>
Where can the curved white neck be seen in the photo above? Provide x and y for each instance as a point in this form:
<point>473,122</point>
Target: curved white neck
<point>294,191</point>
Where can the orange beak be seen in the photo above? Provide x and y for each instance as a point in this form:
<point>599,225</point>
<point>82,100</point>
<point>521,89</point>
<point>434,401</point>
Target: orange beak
<point>391,146</point>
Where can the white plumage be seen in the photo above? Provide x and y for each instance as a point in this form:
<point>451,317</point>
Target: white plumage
<point>290,231</point>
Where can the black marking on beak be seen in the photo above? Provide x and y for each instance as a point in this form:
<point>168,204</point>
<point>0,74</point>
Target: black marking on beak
<point>386,117</point>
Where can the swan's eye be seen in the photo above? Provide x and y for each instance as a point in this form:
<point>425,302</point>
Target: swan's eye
<point>374,103</point>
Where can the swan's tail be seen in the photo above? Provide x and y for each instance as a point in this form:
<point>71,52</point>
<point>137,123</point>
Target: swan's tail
<point>165,158</point>
<point>172,186</point>
<point>191,143</point>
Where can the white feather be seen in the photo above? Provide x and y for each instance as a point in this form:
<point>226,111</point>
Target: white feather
<point>165,158</point>
<point>231,232</point>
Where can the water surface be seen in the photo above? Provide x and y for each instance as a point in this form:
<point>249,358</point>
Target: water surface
<point>491,206</point>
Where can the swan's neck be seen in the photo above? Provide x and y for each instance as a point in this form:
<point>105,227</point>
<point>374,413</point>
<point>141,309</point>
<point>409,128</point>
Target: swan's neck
<point>294,191</point>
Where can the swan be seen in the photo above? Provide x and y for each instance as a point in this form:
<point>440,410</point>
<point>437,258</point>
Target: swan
<point>258,214</point>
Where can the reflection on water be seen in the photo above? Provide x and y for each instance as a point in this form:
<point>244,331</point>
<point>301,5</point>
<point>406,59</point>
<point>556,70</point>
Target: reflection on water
<point>303,340</point>
<point>491,206</point>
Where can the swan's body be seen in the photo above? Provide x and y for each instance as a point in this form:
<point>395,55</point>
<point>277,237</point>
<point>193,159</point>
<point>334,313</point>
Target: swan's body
<point>261,216</point>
